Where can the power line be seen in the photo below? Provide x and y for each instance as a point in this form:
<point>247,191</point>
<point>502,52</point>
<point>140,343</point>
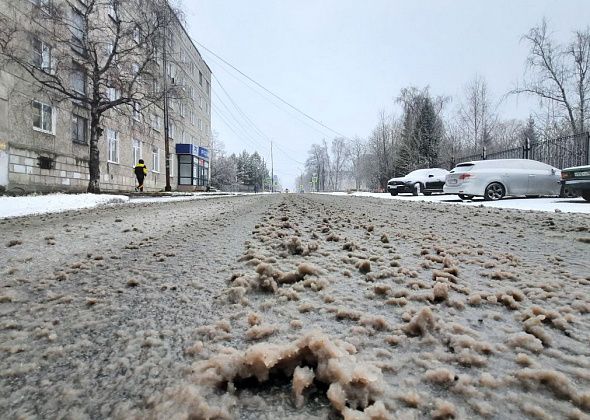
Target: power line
<point>267,98</point>
<point>238,122</point>
<point>232,127</point>
<point>252,124</point>
<point>270,92</point>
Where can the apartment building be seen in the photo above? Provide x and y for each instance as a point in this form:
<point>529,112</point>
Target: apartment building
<point>45,135</point>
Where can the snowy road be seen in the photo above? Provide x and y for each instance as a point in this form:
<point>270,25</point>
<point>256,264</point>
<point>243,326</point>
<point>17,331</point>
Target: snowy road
<point>295,306</point>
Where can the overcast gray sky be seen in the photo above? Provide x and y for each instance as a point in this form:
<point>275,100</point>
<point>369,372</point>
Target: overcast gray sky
<point>342,61</point>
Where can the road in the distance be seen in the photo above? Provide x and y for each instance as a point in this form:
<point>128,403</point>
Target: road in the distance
<point>368,308</point>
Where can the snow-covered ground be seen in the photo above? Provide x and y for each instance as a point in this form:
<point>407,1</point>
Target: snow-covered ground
<point>551,204</point>
<point>54,203</point>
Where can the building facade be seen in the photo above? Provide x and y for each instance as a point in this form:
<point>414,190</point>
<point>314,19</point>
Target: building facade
<point>44,138</point>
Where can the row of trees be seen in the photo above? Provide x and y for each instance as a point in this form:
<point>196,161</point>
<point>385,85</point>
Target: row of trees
<point>431,132</point>
<point>248,171</point>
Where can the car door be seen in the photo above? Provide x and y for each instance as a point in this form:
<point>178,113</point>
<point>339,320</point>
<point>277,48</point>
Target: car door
<point>543,180</point>
<point>516,177</point>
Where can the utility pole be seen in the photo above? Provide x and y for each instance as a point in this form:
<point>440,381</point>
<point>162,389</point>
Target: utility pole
<point>168,187</point>
<point>272,170</point>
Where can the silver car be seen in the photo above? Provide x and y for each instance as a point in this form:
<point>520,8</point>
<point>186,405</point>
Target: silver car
<point>494,179</point>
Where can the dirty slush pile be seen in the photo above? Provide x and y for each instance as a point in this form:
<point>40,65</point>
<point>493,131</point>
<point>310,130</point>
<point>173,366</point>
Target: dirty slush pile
<point>341,307</point>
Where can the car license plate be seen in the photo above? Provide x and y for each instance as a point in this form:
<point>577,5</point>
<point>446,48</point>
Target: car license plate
<point>452,181</point>
<point>585,173</point>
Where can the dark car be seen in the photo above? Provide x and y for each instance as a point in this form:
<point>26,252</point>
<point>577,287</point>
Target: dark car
<point>424,181</point>
<point>577,180</point>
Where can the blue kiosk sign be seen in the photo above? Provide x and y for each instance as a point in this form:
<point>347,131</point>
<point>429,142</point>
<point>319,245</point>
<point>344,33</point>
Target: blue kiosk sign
<point>193,165</point>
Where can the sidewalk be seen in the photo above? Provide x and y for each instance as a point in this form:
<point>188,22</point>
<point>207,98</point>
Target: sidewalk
<point>55,203</point>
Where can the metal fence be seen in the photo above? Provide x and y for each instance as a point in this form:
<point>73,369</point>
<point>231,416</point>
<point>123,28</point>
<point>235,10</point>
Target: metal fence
<point>562,152</point>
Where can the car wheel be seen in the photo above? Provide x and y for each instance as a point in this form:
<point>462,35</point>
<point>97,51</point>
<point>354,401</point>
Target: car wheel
<point>417,188</point>
<point>566,192</point>
<point>586,195</point>
<point>494,191</point>
<point>393,192</point>
<point>427,193</point>
<point>465,196</point>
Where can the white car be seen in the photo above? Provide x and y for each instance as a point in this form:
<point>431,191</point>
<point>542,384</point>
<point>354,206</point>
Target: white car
<point>424,181</point>
<point>495,179</point>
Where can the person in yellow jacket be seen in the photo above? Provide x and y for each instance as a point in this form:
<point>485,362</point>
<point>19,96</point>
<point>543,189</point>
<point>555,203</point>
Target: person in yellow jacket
<point>140,172</point>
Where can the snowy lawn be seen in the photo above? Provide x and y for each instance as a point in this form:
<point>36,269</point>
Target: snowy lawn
<point>54,203</point>
<point>551,204</point>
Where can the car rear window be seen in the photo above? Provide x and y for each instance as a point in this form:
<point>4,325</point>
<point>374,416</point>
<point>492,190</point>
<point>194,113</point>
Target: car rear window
<point>462,167</point>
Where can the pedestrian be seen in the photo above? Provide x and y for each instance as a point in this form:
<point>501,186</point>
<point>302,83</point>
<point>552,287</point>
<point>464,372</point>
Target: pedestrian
<point>140,173</point>
<point>255,188</point>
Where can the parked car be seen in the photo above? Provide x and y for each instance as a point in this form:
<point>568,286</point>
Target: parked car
<point>495,179</point>
<point>577,180</point>
<point>424,181</point>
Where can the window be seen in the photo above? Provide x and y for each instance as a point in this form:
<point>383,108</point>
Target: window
<point>78,32</point>
<point>44,5</point>
<point>42,117</point>
<point>171,164</point>
<point>110,50</point>
<point>171,104</point>
<point>78,79</point>
<point>79,129</point>
<point>113,93</point>
<point>156,122</point>
<point>200,78</point>
<point>201,101</point>
<point>200,124</point>
<point>113,146</point>
<point>171,72</point>
<point>182,109</point>
<point>192,116</point>
<point>42,55</point>
<point>191,92</point>
<point>208,88</point>
<point>182,56</point>
<point>136,111</point>
<point>171,129</point>
<point>135,69</point>
<point>136,151</point>
<point>137,34</point>
<point>112,12</point>
<point>155,159</point>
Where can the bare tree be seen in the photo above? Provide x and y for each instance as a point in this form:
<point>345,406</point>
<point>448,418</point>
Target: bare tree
<point>357,150</point>
<point>318,164</point>
<point>340,156</point>
<point>476,115</point>
<point>381,147</point>
<point>100,54</point>
<point>559,74</point>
